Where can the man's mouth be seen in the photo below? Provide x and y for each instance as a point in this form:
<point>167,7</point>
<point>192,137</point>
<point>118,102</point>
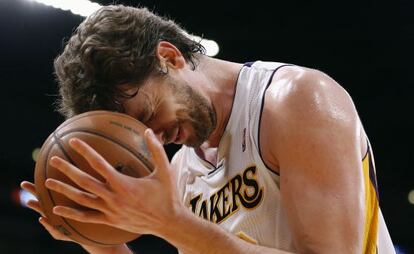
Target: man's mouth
<point>172,136</point>
<point>177,135</point>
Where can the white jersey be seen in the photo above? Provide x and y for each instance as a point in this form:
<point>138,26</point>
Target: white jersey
<point>241,194</point>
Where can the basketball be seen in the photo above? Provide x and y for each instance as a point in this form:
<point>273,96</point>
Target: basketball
<point>120,140</point>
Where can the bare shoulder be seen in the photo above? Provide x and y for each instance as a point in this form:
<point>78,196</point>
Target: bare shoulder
<point>314,138</point>
<point>302,104</point>
<point>300,90</point>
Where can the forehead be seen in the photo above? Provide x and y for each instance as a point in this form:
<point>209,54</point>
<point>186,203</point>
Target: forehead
<point>148,95</point>
<point>140,102</point>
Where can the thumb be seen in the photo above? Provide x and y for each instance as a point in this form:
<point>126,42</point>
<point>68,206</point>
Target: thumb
<point>159,157</point>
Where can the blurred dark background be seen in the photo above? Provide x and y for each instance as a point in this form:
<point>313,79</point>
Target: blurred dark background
<point>367,46</point>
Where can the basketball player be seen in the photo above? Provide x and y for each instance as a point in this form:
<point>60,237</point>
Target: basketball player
<point>274,157</point>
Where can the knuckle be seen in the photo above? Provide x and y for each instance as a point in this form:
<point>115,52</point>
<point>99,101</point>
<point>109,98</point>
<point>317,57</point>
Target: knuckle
<point>85,183</point>
<point>100,163</point>
<point>95,200</point>
<point>84,198</point>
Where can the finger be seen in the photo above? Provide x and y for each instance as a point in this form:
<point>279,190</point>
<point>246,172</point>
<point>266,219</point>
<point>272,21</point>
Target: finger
<point>80,197</point>
<point>52,230</point>
<point>32,203</point>
<point>81,178</point>
<point>87,216</point>
<point>28,186</point>
<point>157,150</point>
<point>95,160</point>
<point>35,205</point>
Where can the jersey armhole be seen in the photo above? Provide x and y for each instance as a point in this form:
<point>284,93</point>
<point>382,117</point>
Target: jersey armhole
<point>260,117</point>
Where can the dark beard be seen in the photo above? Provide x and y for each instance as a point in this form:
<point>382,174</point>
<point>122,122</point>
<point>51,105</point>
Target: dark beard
<point>201,114</point>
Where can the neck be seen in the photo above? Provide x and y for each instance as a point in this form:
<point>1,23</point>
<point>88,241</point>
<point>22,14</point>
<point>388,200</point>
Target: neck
<point>221,77</point>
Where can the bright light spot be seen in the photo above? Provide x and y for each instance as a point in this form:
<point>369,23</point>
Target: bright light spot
<point>78,7</point>
<point>25,196</point>
<point>411,197</point>
<point>212,48</point>
<point>35,153</point>
<point>399,249</point>
<point>85,8</point>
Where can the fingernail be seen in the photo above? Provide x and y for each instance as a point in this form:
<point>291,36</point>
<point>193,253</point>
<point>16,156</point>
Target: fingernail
<point>47,183</point>
<point>73,141</point>
<point>53,161</point>
<point>150,133</point>
<point>56,210</point>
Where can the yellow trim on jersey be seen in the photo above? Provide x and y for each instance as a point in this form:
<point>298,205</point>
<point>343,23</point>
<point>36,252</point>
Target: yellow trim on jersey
<point>371,208</point>
<point>242,235</point>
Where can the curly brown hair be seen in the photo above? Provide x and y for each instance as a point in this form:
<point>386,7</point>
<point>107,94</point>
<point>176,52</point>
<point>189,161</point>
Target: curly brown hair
<point>115,45</point>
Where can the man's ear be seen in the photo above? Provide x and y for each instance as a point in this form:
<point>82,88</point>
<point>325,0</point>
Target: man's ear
<point>169,56</point>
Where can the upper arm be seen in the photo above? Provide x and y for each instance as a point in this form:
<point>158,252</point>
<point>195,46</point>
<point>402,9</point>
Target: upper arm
<point>317,148</point>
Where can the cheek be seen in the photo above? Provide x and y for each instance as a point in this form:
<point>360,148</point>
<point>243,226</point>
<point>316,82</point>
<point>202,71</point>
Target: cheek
<point>165,118</point>
<point>182,115</point>
<point>169,112</point>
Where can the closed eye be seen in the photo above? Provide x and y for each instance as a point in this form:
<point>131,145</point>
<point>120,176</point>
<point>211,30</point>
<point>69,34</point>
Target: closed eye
<point>146,116</point>
<point>149,117</point>
<point>148,108</point>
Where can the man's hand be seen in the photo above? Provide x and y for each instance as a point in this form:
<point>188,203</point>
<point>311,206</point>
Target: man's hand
<point>140,205</point>
<point>56,234</point>
<point>35,205</point>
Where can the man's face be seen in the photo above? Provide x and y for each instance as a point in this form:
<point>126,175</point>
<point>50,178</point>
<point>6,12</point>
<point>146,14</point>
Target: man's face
<point>174,110</point>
